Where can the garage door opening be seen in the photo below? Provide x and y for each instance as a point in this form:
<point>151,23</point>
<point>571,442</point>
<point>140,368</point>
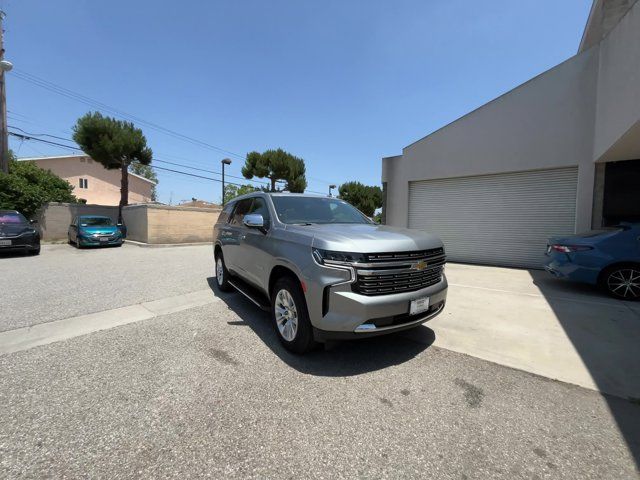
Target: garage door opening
<point>621,201</point>
<point>502,219</point>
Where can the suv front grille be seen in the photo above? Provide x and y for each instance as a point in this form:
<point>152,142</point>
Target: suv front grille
<point>401,272</point>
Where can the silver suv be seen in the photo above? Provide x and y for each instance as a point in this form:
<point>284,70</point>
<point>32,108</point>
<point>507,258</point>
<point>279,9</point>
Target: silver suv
<point>324,270</point>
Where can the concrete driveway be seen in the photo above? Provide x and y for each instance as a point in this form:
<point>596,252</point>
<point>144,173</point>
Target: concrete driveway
<point>529,320</point>
<point>144,371</point>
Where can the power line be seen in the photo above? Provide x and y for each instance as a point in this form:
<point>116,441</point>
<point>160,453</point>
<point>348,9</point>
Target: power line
<point>194,175</point>
<point>41,134</point>
<point>31,135</point>
<point>27,137</point>
<point>65,92</point>
<point>49,142</point>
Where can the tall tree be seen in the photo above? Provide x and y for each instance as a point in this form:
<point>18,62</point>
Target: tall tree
<point>115,144</point>
<point>233,191</point>
<point>26,187</point>
<point>276,165</point>
<point>364,197</point>
<point>147,172</point>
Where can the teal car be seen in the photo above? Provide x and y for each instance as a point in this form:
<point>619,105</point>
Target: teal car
<point>95,231</point>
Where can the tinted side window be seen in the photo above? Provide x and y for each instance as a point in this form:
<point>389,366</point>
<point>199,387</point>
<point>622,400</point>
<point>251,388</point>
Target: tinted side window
<point>225,213</point>
<point>240,211</point>
<point>260,207</point>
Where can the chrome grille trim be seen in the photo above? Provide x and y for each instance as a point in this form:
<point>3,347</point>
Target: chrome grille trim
<point>381,276</point>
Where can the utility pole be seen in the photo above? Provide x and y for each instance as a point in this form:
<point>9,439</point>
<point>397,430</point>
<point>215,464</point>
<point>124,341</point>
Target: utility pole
<point>4,136</point>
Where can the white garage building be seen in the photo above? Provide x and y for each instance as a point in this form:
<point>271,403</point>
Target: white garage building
<point>558,154</point>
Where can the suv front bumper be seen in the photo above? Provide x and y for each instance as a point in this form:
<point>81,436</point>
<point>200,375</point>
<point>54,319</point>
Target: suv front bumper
<point>353,315</point>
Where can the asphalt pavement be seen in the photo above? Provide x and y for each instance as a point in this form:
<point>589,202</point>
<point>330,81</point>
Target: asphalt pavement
<point>208,391</point>
<point>65,282</point>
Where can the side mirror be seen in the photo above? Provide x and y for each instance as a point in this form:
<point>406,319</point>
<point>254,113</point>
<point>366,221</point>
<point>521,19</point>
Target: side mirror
<point>253,220</point>
<point>33,222</point>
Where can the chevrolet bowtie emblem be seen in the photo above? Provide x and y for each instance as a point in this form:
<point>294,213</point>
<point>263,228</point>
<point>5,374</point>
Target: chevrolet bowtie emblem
<point>421,265</point>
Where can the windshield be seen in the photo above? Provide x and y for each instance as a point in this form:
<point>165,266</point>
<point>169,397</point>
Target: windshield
<point>12,218</point>
<point>308,210</point>
<point>95,222</point>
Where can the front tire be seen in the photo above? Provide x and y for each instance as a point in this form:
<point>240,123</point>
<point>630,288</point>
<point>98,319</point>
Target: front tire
<point>290,316</point>
<point>622,281</point>
<point>222,274</point>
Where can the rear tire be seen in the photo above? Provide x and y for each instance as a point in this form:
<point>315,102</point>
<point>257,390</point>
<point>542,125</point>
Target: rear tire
<point>222,274</point>
<point>622,281</point>
<point>290,316</point>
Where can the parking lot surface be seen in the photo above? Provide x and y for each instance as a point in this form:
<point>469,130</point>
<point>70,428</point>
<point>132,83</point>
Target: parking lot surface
<point>208,391</point>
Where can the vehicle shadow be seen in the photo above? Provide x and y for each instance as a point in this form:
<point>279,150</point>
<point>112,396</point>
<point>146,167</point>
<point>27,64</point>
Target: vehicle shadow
<point>606,334</point>
<point>14,253</point>
<point>335,359</point>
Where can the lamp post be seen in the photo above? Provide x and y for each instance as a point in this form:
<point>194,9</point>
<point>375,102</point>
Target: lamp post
<point>224,162</point>
<point>331,187</point>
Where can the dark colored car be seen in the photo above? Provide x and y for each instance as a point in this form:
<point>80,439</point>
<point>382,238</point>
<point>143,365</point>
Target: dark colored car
<point>609,258</point>
<point>17,233</point>
<point>94,231</point>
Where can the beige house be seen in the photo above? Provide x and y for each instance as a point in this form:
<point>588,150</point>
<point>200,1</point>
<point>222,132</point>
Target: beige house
<point>92,182</point>
<point>556,155</point>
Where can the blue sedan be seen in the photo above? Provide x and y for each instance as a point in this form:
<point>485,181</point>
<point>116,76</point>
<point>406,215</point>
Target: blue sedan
<point>608,258</point>
<point>94,231</point>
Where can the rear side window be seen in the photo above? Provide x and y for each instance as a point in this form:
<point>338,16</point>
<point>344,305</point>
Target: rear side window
<point>225,213</point>
<point>240,211</point>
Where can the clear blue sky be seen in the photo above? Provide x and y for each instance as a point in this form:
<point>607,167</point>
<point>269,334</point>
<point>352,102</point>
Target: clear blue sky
<point>339,83</point>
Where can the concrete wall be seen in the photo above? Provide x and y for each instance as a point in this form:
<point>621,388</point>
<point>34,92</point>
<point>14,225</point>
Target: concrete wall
<point>54,218</point>
<point>618,101</point>
<point>135,218</point>
<point>103,185</point>
<point>582,111</point>
<point>154,224</point>
<point>180,224</point>
<point>157,224</point>
<point>547,122</point>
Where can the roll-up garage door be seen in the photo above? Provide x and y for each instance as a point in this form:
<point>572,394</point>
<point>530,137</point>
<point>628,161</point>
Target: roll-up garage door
<point>501,219</point>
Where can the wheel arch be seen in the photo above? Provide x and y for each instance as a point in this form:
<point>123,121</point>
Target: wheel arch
<point>614,265</point>
<point>279,271</point>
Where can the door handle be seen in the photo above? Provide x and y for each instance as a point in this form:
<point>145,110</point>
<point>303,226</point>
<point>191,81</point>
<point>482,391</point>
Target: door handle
<point>243,236</point>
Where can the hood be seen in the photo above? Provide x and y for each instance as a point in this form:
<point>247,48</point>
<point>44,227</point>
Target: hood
<point>365,238</point>
<point>103,230</point>
<point>13,229</point>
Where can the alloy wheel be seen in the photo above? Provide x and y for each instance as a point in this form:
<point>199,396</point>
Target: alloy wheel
<point>286,315</point>
<point>624,283</point>
<point>219,271</point>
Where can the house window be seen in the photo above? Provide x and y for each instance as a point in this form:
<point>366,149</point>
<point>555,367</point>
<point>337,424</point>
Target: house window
<point>84,183</point>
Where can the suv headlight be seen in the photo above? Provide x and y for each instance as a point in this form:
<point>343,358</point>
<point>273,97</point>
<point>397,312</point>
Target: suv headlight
<point>332,257</point>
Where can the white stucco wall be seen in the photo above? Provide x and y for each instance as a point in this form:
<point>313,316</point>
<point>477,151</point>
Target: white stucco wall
<point>618,100</point>
<point>546,122</point>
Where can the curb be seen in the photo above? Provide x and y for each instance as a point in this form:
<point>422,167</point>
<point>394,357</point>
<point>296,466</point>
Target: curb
<point>165,245</point>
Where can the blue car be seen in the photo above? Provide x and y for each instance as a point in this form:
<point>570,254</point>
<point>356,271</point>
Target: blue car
<point>94,231</point>
<point>608,258</point>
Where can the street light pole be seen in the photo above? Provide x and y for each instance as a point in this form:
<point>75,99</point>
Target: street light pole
<point>5,66</point>
<point>224,162</point>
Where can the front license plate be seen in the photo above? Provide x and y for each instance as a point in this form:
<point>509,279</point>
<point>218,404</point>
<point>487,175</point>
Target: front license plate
<point>419,305</point>
<point>5,242</point>
<point>103,239</point>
